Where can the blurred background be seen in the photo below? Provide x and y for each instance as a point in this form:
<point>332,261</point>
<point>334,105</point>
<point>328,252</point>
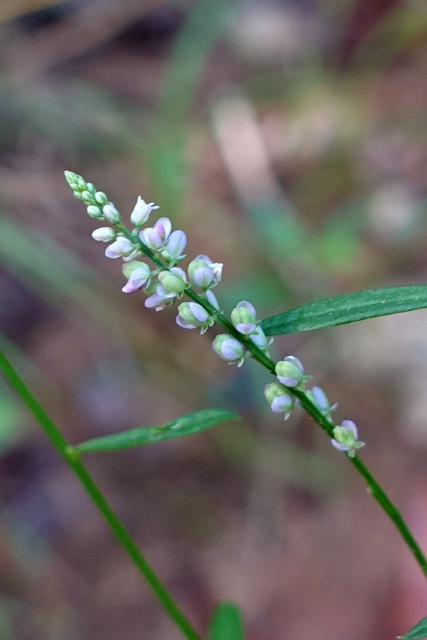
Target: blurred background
<point>288,139</point>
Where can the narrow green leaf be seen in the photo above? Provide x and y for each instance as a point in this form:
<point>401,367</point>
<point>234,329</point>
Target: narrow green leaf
<point>350,307</point>
<point>417,632</point>
<point>185,425</point>
<point>226,623</point>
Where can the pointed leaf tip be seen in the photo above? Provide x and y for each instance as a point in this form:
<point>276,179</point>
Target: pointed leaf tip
<point>226,623</point>
<point>417,632</point>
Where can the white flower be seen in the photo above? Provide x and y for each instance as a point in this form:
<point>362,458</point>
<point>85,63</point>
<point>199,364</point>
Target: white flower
<point>141,212</point>
<point>104,234</point>
<point>120,248</point>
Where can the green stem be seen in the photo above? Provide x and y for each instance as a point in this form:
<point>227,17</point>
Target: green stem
<point>374,488</point>
<point>393,513</point>
<point>259,355</point>
<point>72,458</point>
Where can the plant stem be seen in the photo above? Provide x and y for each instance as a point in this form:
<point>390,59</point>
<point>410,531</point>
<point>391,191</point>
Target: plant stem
<point>258,354</point>
<point>373,486</point>
<point>393,513</point>
<point>72,458</point>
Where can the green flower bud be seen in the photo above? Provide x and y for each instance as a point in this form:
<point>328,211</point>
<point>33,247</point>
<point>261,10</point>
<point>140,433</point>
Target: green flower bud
<point>129,267</point>
<point>110,212</point>
<point>173,282</point>
<point>243,318</point>
<point>274,390</point>
<point>95,212</point>
<point>101,198</point>
<point>76,182</point>
<point>290,372</point>
<point>88,197</point>
<point>281,401</point>
<point>229,349</point>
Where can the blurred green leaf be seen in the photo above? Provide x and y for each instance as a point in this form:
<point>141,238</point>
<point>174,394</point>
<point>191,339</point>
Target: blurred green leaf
<point>206,23</point>
<point>417,632</point>
<point>55,274</point>
<point>350,307</point>
<point>226,623</point>
<point>6,632</point>
<point>185,425</point>
<point>80,119</point>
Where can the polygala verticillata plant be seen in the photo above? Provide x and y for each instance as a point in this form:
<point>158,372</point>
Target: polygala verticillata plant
<point>150,256</point>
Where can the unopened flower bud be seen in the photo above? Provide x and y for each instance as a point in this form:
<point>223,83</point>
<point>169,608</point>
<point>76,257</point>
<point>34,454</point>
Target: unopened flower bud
<point>173,281</point>
<point>243,317</point>
<point>141,212</point>
<point>290,372</point>
<point>95,212</point>
<point>100,197</point>
<point>204,273</point>
<point>138,274</point>
<point>111,214</point>
<point>259,338</point>
<point>104,234</point>
<point>120,248</point>
<point>229,349</point>
<point>320,399</point>
<point>345,438</point>
<point>192,315</point>
<point>87,197</point>
<point>76,182</point>
<point>279,398</point>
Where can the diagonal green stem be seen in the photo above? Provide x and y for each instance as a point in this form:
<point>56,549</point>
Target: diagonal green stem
<point>72,458</point>
<point>374,488</point>
<point>393,513</point>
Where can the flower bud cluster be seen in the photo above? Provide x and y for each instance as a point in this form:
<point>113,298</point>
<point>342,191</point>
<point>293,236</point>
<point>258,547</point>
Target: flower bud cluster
<point>243,318</point>
<point>166,283</point>
<point>290,375</point>
<point>97,204</point>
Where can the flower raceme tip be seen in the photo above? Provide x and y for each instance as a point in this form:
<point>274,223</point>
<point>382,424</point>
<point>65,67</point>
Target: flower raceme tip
<point>166,283</point>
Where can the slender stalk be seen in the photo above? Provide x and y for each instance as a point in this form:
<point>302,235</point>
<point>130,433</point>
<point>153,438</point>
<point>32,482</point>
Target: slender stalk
<point>393,513</point>
<point>257,354</point>
<point>71,457</point>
